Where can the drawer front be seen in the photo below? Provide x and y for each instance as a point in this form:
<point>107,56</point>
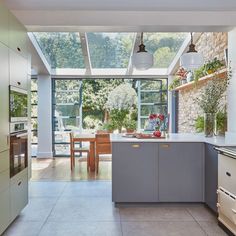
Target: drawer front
<point>4,161</point>
<point>227,204</point>
<point>227,173</point>
<point>4,210</point>
<point>19,194</point>
<point>4,180</point>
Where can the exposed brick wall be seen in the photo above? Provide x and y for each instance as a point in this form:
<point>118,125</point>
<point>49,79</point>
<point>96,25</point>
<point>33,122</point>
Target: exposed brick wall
<point>210,45</point>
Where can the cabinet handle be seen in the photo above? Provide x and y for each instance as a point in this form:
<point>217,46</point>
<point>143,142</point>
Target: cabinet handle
<point>165,145</point>
<point>8,141</point>
<point>18,49</point>
<point>135,146</point>
<point>227,173</point>
<point>19,183</point>
<point>19,83</point>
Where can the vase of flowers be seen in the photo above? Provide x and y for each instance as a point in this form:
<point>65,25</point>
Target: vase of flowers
<point>210,101</point>
<point>182,75</point>
<point>157,123</point>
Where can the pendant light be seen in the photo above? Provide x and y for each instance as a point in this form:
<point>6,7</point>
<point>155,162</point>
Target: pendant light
<point>192,59</point>
<point>142,60</point>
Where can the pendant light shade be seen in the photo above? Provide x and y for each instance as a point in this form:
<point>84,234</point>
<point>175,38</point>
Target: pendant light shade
<point>192,59</point>
<point>142,60</point>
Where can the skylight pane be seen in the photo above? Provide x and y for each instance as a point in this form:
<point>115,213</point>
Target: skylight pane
<point>163,46</point>
<point>110,50</point>
<point>62,50</point>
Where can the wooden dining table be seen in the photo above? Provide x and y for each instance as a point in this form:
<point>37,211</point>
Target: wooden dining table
<point>91,138</point>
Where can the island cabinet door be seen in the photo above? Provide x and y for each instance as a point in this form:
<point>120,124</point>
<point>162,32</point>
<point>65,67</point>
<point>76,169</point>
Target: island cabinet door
<point>134,172</point>
<point>181,172</point>
<point>211,176</point>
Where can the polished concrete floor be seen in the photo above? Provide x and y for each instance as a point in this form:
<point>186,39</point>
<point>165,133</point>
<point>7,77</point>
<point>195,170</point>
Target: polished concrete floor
<point>84,208</point>
<point>58,169</point>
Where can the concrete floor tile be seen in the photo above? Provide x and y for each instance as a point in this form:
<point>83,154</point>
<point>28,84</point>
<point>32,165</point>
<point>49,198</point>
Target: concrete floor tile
<point>155,213</point>
<point>87,189</point>
<point>81,229</point>
<point>84,209</point>
<point>212,229</point>
<point>162,228</point>
<point>46,189</point>
<point>23,228</point>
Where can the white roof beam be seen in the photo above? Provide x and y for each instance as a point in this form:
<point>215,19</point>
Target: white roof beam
<point>85,51</point>
<point>39,52</point>
<point>136,43</point>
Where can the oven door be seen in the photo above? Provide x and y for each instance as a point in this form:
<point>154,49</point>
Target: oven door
<point>18,152</point>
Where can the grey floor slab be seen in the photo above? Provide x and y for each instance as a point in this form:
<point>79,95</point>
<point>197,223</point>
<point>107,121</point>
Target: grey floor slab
<point>84,209</point>
<point>162,228</point>
<point>212,229</point>
<point>201,213</point>
<point>87,189</point>
<point>38,209</point>
<point>155,213</point>
<point>46,189</point>
<point>24,228</point>
<point>81,229</point>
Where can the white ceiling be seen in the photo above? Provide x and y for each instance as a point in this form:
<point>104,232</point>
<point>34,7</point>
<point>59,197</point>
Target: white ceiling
<point>125,15</point>
<point>123,5</point>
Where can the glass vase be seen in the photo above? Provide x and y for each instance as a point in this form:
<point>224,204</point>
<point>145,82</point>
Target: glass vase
<point>209,124</point>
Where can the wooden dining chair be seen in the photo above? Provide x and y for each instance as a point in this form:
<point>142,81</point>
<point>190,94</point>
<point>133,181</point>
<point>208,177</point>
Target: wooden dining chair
<point>74,149</point>
<point>103,146</point>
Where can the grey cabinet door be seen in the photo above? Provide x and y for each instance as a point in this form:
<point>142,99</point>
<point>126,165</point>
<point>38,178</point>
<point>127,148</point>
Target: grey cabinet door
<point>4,98</point>
<point>134,172</point>
<point>211,176</point>
<point>181,172</point>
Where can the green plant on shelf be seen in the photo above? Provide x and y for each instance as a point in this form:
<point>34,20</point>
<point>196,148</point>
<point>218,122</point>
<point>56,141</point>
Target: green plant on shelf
<point>212,66</point>
<point>175,83</point>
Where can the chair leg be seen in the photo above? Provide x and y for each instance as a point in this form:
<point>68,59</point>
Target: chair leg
<point>71,161</point>
<point>97,164</point>
<point>88,160</point>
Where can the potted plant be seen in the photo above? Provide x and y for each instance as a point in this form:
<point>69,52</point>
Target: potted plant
<point>182,75</point>
<point>175,83</point>
<point>209,101</point>
<point>213,66</point>
<point>221,122</point>
<point>130,125</point>
<point>199,73</point>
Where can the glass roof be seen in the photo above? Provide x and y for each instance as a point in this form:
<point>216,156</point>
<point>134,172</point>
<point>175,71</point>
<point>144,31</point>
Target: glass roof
<point>106,50</point>
<point>62,50</point>
<point>110,50</point>
<point>163,46</point>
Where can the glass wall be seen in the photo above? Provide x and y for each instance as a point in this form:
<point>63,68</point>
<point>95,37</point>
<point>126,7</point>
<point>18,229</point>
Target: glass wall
<point>80,105</point>
<point>152,98</point>
<point>34,116</point>
<point>66,111</point>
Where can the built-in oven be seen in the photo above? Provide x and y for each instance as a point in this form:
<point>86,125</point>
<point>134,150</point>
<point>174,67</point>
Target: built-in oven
<point>18,104</point>
<point>18,147</point>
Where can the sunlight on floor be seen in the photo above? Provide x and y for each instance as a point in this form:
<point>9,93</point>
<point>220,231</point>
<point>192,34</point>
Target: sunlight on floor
<point>59,169</point>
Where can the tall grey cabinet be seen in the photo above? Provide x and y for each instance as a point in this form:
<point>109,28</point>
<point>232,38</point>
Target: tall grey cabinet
<point>14,61</point>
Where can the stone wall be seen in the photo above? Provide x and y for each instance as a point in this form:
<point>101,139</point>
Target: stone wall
<point>210,45</point>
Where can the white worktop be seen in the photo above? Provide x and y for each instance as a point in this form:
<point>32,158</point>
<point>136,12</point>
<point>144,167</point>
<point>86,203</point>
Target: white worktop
<point>179,137</point>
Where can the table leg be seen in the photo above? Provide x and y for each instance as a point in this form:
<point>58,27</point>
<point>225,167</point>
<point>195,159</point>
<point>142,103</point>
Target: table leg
<point>92,156</point>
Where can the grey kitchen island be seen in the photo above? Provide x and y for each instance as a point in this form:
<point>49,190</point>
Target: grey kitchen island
<point>165,170</point>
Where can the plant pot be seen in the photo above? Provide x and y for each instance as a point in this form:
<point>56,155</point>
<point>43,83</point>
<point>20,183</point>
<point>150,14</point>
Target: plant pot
<point>183,81</point>
<point>209,124</point>
<point>129,131</point>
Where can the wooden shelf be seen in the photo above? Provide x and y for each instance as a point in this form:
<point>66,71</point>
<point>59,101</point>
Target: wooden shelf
<point>201,80</point>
